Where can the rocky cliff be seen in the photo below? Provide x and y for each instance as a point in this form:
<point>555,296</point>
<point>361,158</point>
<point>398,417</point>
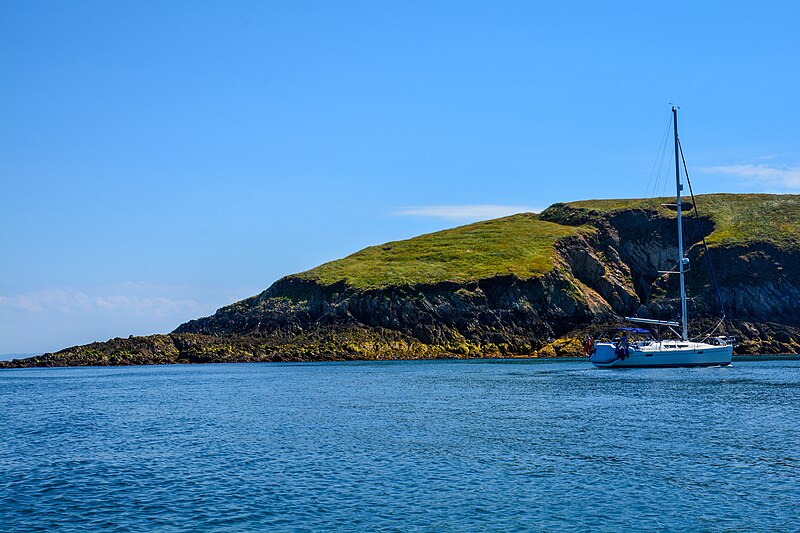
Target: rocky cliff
<point>518,286</point>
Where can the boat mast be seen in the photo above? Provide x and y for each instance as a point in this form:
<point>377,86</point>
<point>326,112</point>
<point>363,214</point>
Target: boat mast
<point>679,187</point>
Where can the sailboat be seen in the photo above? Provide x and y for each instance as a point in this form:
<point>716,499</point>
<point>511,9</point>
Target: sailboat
<point>657,352</point>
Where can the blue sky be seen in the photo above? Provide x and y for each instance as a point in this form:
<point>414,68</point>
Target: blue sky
<point>161,159</point>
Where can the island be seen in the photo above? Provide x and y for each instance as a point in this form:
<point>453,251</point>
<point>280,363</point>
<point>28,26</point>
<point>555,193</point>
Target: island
<point>527,285</point>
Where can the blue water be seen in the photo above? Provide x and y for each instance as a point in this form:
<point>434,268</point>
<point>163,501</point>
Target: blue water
<point>411,446</point>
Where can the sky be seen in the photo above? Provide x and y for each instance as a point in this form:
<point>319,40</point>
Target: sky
<point>159,160</point>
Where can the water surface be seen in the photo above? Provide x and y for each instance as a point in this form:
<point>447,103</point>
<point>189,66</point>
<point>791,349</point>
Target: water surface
<point>412,446</point>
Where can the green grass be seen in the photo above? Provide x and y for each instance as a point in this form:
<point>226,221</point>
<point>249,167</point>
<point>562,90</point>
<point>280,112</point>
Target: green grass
<point>748,218</point>
<point>739,219</point>
<point>608,206</point>
<point>520,244</point>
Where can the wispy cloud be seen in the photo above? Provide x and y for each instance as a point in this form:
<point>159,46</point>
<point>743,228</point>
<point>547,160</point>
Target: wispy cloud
<point>773,177</point>
<point>69,301</point>
<point>50,318</point>
<point>464,212</point>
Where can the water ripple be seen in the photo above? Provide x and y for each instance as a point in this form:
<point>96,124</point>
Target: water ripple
<point>412,446</point>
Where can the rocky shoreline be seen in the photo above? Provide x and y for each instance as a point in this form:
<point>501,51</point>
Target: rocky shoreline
<point>174,349</point>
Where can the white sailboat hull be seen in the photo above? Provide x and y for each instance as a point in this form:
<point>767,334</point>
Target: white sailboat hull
<point>662,354</point>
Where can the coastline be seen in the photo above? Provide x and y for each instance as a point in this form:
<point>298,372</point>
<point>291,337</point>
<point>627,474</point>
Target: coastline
<point>23,364</point>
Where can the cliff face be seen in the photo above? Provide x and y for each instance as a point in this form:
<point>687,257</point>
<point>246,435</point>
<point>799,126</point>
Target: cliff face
<point>523,285</point>
<point>503,310</point>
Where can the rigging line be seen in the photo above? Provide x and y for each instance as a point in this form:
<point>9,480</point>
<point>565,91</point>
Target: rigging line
<point>659,162</point>
<point>705,246</point>
<point>667,179</point>
<point>706,334</point>
<point>655,176</point>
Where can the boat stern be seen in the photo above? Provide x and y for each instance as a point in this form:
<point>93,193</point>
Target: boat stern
<point>604,355</point>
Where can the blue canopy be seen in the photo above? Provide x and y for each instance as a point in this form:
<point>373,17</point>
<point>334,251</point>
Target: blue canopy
<point>634,330</point>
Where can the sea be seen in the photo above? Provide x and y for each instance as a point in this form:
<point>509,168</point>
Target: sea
<point>487,445</point>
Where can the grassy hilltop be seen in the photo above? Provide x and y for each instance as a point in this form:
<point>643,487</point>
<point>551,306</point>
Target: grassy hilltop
<point>524,245</point>
<point>520,245</point>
